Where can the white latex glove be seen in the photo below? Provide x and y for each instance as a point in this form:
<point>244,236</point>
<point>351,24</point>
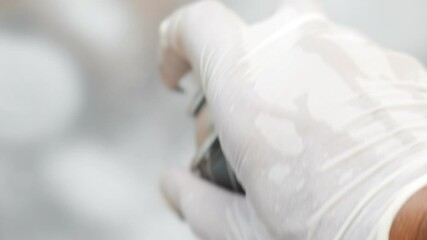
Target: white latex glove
<point>326,130</point>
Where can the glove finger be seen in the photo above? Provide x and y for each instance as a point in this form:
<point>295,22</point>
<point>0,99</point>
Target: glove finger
<point>212,213</point>
<point>194,34</point>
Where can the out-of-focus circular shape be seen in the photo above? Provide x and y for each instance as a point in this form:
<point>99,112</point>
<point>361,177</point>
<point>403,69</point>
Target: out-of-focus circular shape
<point>92,184</point>
<point>102,24</point>
<point>109,40</point>
<point>40,89</point>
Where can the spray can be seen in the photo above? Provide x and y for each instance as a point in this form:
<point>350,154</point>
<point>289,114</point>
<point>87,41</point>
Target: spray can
<point>210,162</point>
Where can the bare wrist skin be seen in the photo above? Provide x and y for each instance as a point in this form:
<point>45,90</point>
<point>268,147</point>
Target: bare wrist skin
<point>411,221</point>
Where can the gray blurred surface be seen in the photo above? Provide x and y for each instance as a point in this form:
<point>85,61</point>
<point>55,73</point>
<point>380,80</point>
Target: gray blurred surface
<point>97,177</point>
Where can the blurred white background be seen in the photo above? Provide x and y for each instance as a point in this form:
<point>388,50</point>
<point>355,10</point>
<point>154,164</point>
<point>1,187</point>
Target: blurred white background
<point>86,126</point>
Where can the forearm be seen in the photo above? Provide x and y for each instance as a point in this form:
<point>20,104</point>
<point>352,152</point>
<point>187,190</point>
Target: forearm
<point>411,221</point>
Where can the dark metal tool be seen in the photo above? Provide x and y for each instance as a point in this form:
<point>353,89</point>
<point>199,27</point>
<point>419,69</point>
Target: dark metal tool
<point>210,162</point>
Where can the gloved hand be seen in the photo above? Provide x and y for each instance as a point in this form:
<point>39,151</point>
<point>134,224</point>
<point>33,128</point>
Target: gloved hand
<point>325,130</point>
